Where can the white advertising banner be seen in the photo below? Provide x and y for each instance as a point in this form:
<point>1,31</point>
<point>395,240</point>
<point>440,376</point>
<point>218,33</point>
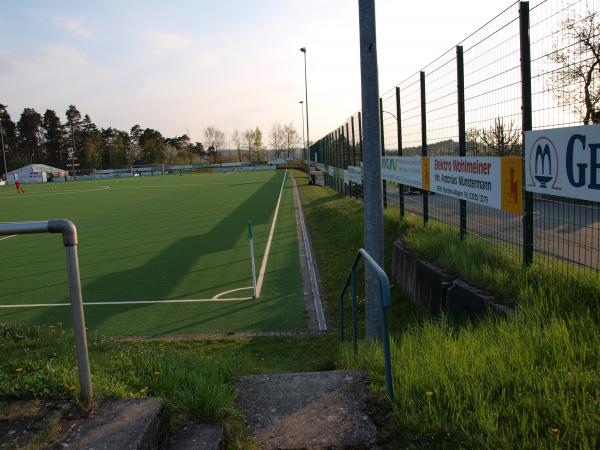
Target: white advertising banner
<point>403,170</point>
<point>490,181</point>
<point>331,170</point>
<point>346,177</point>
<point>355,174</point>
<point>564,162</point>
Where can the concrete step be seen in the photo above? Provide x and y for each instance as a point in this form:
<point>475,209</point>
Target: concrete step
<point>115,424</point>
<point>307,410</point>
<point>197,436</point>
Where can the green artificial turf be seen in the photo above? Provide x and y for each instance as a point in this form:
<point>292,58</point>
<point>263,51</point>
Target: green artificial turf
<point>157,238</point>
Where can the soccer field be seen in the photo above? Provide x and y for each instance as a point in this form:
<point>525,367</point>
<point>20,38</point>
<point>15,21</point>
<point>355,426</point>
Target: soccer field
<point>151,239</point>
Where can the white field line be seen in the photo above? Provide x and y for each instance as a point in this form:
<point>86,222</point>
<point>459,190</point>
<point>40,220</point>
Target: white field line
<point>263,266</point>
<point>7,237</point>
<point>49,194</point>
<point>311,268</point>
<point>132,302</point>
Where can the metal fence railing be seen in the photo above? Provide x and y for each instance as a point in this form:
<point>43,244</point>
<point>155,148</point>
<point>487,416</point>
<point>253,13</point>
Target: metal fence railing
<point>533,66</point>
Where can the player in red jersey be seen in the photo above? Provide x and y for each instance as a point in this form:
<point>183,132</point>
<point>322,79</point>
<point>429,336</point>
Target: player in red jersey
<point>19,186</point>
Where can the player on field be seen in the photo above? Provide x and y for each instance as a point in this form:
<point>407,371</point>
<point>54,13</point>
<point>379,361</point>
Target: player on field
<point>19,187</point>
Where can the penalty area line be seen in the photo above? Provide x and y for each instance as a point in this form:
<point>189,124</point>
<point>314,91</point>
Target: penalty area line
<point>7,237</point>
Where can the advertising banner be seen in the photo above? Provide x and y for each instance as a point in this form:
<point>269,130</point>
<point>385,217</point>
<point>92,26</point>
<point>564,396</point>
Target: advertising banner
<point>355,174</point>
<point>403,170</point>
<point>564,162</point>
<point>490,181</point>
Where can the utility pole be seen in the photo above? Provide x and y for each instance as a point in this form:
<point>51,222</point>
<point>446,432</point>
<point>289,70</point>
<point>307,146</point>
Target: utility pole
<point>373,211</point>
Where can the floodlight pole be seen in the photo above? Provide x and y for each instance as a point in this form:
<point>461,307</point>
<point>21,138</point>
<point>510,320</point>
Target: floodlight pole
<point>303,138</point>
<point>372,184</point>
<point>303,50</point>
<point>3,151</point>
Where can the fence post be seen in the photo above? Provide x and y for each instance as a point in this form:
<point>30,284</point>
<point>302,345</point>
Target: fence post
<point>383,182</point>
<point>526,126</point>
<point>462,135</point>
<point>399,130</point>
<point>424,145</point>
<point>351,184</point>
<point>360,154</point>
<point>373,210</point>
<point>347,156</point>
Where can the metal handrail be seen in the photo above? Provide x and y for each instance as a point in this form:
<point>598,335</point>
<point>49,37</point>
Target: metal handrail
<point>69,233</point>
<point>384,287</point>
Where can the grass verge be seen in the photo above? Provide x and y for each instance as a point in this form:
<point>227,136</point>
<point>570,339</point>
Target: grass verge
<point>531,380</point>
<point>195,378</point>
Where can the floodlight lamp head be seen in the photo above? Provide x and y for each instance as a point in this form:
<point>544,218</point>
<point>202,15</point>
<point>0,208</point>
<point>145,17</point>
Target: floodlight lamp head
<point>301,101</point>
<point>303,49</point>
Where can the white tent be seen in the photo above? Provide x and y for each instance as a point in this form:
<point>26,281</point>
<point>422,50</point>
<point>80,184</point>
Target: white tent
<point>34,173</point>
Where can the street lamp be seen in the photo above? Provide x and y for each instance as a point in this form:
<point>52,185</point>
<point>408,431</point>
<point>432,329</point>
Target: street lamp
<point>303,50</point>
<point>303,139</point>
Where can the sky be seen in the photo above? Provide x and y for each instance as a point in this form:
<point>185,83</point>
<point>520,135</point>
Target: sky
<point>180,66</point>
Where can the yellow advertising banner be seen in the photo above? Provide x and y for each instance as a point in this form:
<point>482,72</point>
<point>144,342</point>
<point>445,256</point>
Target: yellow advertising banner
<point>512,184</point>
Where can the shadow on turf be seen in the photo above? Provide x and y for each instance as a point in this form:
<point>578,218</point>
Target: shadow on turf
<point>160,275</point>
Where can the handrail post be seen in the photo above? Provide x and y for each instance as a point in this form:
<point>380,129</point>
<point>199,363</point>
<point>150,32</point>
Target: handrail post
<point>384,288</point>
<point>387,355</point>
<point>354,324</point>
<point>69,234</point>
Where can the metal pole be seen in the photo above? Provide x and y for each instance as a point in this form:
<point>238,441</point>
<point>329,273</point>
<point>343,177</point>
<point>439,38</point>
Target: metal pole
<point>399,130</point>
<point>3,151</point>
<point>373,210</point>
<point>424,144</point>
<point>303,50</point>
<point>69,233</point>
<point>526,126</point>
<point>251,240</point>
<point>462,134</point>
<point>83,362</point>
<point>383,182</point>
<point>306,150</point>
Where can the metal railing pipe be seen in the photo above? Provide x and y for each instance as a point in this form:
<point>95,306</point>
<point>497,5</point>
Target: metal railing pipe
<point>69,234</point>
<point>384,287</point>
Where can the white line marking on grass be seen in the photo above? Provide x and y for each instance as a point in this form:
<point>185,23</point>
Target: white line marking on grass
<point>263,266</point>
<point>7,237</point>
<point>48,194</point>
<point>311,268</point>
<point>132,302</point>
<point>218,296</point>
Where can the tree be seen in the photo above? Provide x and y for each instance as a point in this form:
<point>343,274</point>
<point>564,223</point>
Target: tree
<point>576,82</point>
<point>75,143</point>
<point>152,146</point>
<point>257,145</point>
<point>501,139</point>
<point>277,136</point>
<point>214,140</point>
<point>291,138</point>
<point>10,137</point>
<point>237,139</point>
<point>29,129</point>
<point>54,139</point>
<point>249,138</point>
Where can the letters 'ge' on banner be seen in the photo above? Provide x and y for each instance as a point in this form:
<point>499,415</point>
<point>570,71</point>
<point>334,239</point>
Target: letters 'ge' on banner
<point>564,162</point>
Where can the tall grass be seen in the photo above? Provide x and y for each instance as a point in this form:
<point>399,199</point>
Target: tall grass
<point>530,380</point>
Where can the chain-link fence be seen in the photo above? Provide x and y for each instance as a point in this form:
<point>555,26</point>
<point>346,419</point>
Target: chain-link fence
<point>536,65</point>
